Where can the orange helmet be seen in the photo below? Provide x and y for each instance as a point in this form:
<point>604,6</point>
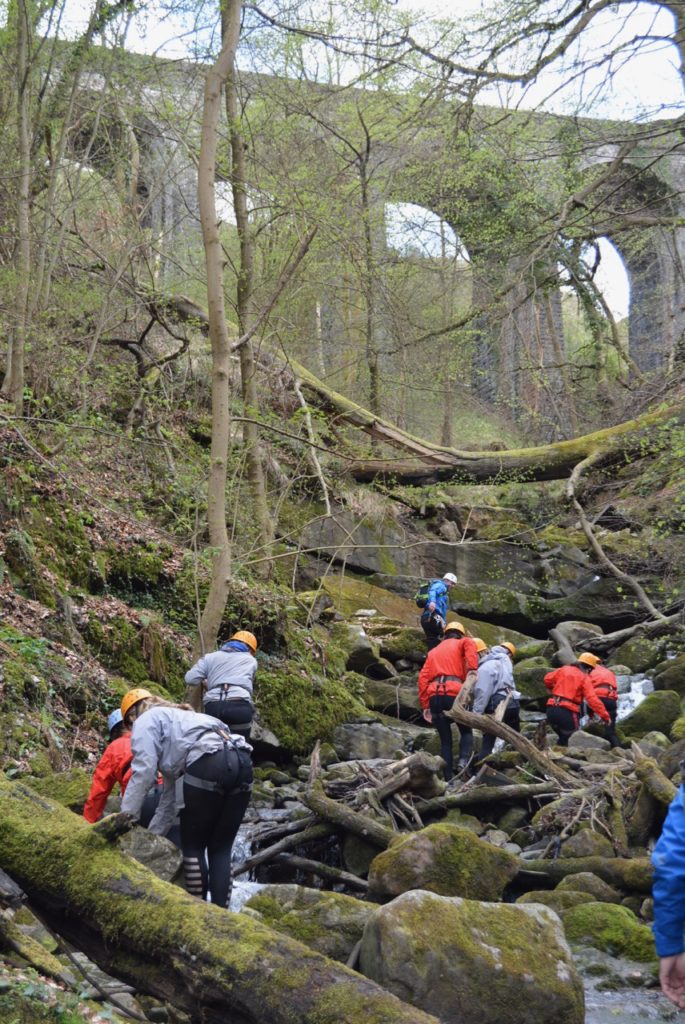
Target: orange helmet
<point>452,626</point>
<point>480,644</point>
<point>509,646</point>
<point>131,698</point>
<point>589,659</point>
<point>246,637</point>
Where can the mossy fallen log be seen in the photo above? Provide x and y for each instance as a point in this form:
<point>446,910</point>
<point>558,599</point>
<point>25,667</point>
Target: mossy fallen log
<point>217,966</point>
<point>632,875</point>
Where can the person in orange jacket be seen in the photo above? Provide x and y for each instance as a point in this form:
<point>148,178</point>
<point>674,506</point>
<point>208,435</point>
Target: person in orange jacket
<point>444,672</point>
<point>113,767</point>
<point>570,686</point>
<point>606,688</point>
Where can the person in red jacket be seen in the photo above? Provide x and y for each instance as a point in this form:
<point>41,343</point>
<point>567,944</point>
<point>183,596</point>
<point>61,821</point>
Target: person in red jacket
<point>570,686</point>
<point>606,688</point>
<point>444,672</point>
<point>114,766</point>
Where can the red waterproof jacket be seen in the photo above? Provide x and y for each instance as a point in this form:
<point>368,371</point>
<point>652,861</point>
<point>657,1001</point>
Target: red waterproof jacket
<point>570,687</point>
<point>113,766</point>
<point>604,682</point>
<point>446,668</point>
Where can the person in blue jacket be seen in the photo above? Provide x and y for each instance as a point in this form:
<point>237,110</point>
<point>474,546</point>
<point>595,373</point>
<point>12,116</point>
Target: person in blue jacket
<point>434,615</point>
<point>668,891</point>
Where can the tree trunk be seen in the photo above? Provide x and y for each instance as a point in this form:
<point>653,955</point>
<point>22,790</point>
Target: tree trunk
<point>634,875</point>
<point>218,333</point>
<point>215,965</point>
<point>230,30</point>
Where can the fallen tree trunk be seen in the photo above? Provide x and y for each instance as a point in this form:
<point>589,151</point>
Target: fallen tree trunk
<point>215,965</point>
<point>634,875</point>
<point>431,463</point>
<point>488,795</point>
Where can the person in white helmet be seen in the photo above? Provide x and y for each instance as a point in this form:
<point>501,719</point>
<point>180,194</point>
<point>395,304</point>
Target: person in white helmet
<point>434,615</point>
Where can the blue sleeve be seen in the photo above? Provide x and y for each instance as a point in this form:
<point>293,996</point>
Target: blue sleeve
<point>668,890</point>
<point>436,589</point>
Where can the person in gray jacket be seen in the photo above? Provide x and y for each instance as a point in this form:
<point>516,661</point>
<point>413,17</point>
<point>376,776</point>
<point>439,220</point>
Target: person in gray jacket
<point>204,764</point>
<point>494,683</point>
<point>222,682</point>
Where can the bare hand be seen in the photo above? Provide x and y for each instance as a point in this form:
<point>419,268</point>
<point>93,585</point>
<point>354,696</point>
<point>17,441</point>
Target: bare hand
<point>672,978</point>
<point>427,715</point>
<point>431,606</point>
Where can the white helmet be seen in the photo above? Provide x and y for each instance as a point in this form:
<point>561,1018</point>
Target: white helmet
<point>449,577</point>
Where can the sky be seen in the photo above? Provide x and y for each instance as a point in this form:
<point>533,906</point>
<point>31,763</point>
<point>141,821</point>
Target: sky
<point>647,84</point>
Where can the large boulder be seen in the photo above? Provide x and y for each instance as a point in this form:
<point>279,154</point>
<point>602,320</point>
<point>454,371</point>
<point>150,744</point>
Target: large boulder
<point>529,675</point>
<point>639,653</point>
<point>556,900</point>
<point>461,960</point>
<point>672,676</point>
<point>658,711</point>
<point>355,645</point>
<point>586,843</point>
<point>614,929</point>
<point>592,885</point>
<point>577,634</point>
<point>444,859</point>
<point>329,922</point>
<point>155,852</point>
<point>398,697</point>
<point>365,740</point>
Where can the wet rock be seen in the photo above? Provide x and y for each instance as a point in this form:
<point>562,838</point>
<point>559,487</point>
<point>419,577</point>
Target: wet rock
<point>593,885</point>
<point>587,740</point>
<point>329,922</point>
<point>672,676</point>
<point>444,859</point>
<point>365,740</point>
<point>467,961</point>
<point>155,852</point>
<point>555,900</point>
<point>658,711</point>
<point>614,929</point>
<point>529,675</point>
<point>639,654</point>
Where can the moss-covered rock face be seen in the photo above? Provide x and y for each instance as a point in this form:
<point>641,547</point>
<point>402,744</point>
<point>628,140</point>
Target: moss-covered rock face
<point>592,885</point>
<point>529,675</point>
<point>70,789</point>
<point>657,712</point>
<point>555,900</point>
<point>140,651</point>
<point>672,676</point>
<point>300,707</point>
<point>587,843</point>
<point>467,961</point>
<point>328,922</point>
<point>444,859</point>
<point>611,928</point>
<point>639,654</point>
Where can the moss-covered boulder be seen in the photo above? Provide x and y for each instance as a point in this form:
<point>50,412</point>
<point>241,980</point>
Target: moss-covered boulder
<point>364,740</point>
<point>678,729</point>
<point>639,654</point>
<point>328,922</point>
<point>586,843</point>
<point>69,788</point>
<point>461,960</point>
<point>592,885</point>
<point>529,675</point>
<point>398,697</point>
<point>403,644</point>
<point>658,711</point>
<point>612,928</point>
<point>358,649</point>
<point>555,900</point>
<point>672,676</point>
<point>444,859</point>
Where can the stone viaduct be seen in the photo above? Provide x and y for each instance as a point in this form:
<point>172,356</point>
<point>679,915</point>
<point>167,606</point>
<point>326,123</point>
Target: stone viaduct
<point>543,184</point>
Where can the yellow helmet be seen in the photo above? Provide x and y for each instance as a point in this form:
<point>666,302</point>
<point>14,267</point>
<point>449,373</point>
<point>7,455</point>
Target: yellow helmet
<point>451,626</point>
<point>509,646</point>
<point>589,659</point>
<point>480,644</point>
<point>131,698</point>
<point>246,637</point>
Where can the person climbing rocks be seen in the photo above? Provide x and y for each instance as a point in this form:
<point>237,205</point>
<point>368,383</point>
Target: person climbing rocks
<point>434,614</point>
<point>216,771</point>
<point>222,682</point>
<point>668,893</point>
<point>114,767</point>
<point>569,687</point>
<point>494,684</point>
<point>446,668</point>
<point>606,688</point>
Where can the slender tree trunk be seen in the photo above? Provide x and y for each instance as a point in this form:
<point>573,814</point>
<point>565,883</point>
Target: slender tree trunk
<point>13,387</point>
<point>370,292</point>
<point>218,334</point>
<point>230,28</point>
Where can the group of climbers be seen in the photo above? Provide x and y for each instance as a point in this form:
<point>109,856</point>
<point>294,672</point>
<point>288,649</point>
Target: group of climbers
<point>571,686</point>
<point>173,763</point>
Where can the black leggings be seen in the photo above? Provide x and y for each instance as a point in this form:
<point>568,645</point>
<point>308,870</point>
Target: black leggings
<point>236,714</point>
<point>210,821</point>
<point>432,628</point>
<point>611,706</point>
<point>438,704</point>
<point>563,721</point>
<point>511,718</point>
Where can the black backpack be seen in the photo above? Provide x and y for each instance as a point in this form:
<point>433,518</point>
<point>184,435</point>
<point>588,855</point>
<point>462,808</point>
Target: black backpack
<point>421,595</point>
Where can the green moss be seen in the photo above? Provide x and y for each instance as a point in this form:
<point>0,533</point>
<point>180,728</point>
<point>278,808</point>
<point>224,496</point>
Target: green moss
<point>62,543</point>
<point>557,900</point>
<point>69,789</point>
<point>657,713</point>
<point>139,652</point>
<point>678,729</point>
<point>611,928</point>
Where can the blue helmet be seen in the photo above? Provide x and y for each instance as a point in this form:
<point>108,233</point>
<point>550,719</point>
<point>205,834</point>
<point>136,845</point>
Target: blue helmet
<point>116,718</point>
